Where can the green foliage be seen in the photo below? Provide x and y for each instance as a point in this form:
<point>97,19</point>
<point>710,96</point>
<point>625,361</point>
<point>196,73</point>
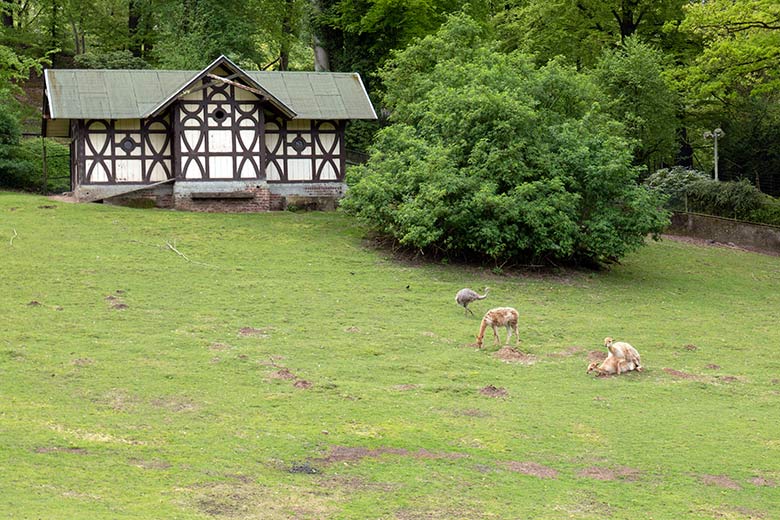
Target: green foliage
<point>492,157</point>
<point>14,170</point>
<point>110,60</point>
<point>632,76</point>
<point>57,165</point>
<point>767,213</point>
<point>741,48</point>
<point>580,30</point>
<point>732,199</point>
<point>674,183</point>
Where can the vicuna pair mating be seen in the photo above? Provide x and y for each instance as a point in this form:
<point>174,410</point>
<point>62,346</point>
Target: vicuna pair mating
<point>622,357</point>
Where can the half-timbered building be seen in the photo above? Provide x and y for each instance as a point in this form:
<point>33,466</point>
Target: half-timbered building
<point>221,139</point>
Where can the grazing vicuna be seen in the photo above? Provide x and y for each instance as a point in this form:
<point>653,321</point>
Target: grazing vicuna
<point>466,296</point>
<point>622,358</point>
<point>499,317</point>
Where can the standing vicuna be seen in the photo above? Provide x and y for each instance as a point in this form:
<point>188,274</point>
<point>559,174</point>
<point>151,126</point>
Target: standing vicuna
<point>622,357</point>
<point>466,296</point>
<point>499,317</point>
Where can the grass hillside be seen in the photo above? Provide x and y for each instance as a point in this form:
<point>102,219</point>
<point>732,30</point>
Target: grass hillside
<point>158,364</point>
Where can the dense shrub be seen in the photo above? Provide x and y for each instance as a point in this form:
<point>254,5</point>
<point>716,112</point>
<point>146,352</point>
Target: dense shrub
<point>732,199</point>
<point>691,190</point>
<point>674,183</point>
<point>57,165</point>
<point>492,157</point>
<point>13,169</point>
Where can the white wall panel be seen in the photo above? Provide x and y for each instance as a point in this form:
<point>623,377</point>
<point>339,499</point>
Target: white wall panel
<point>220,167</point>
<point>299,169</point>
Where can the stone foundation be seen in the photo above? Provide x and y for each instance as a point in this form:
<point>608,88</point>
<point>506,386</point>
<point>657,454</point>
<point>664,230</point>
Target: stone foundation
<point>218,196</point>
<point>724,230</point>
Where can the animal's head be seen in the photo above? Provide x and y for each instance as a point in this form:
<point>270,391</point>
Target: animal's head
<point>593,367</point>
<point>608,341</point>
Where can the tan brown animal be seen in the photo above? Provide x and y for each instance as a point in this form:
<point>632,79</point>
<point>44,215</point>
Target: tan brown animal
<point>622,358</point>
<point>500,317</point>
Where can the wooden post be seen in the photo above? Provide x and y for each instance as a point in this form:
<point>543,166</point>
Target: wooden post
<point>45,167</point>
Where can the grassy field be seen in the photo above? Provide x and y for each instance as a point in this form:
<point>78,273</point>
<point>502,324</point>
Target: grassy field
<point>276,367</point>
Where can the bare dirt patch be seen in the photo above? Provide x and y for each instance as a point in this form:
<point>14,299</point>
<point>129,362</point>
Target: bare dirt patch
<point>251,500</point>
<point>568,352</point>
<point>34,303</point>
<point>83,362</point>
<point>303,384</point>
<point>763,481</point>
<point>406,387</point>
<point>119,306</point>
<point>727,379</point>
<point>615,473</point>
<point>512,355</point>
<point>720,481</point>
<point>532,468</point>
<point>60,449</point>
<point>691,347</point>
<point>352,330</point>
<point>282,373</point>
<point>493,391</point>
<point>253,332</point>
<point>219,346</point>
<point>596,355</point>
<point>712,366</point>
<point>678,374</point>
<point>338,454</point>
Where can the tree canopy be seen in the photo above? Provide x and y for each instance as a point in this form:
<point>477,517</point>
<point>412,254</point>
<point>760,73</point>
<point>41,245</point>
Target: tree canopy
<point>491,156</point>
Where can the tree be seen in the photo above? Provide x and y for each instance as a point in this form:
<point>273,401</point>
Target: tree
<point>581,29</point>
<point>492,157</point>
<point>741,48</point>
<point>633,77</point>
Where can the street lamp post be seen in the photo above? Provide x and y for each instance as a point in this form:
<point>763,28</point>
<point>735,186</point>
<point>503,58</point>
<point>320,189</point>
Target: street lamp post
<point>714,135</point>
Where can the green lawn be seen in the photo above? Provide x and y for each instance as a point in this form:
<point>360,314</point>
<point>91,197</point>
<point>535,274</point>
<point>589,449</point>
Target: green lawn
<point>279,368</point>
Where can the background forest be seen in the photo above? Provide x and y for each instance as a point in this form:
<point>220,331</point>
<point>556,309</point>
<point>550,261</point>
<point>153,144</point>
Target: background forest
<point>654,78</point>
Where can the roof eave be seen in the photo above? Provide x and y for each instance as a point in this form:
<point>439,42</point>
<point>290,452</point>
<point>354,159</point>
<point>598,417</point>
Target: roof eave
<point>365,93</point>
<point>46,91</point>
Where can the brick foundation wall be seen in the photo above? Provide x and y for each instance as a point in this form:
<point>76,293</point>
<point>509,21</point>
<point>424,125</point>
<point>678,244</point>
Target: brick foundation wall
<point>261,200</point>
<point>157,197</point>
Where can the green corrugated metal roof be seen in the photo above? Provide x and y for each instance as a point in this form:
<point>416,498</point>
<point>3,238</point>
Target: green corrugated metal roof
<point>130,94</point>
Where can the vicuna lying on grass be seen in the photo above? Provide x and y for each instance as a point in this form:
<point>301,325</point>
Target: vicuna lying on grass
<point>499,317</point>
<point>622,357</point>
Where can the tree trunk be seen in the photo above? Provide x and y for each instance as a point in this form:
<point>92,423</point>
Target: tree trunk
<point>321,61</point>
<point>133,19</point>
<point>625,18</point>
<point>284,44</point>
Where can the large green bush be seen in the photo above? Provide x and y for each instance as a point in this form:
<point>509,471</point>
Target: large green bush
<point>492,157</point>
<point>21,161</point>
<point>13,168</point>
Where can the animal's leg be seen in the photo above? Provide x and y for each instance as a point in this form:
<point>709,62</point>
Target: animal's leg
<point>517,335</point>
<point>495,334</point>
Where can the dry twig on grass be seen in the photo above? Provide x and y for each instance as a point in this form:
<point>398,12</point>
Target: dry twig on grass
<point>172,247</point>
<point>12,238</point>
